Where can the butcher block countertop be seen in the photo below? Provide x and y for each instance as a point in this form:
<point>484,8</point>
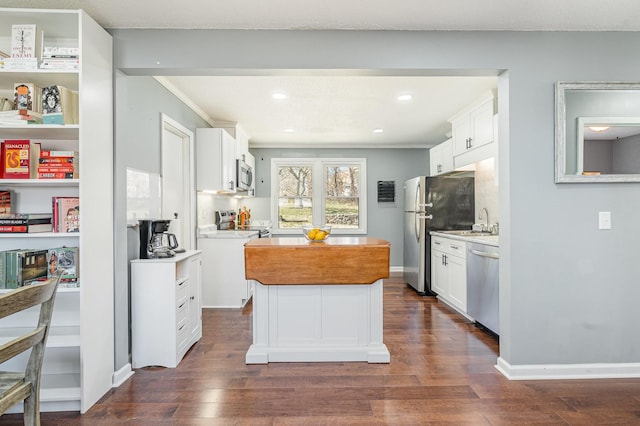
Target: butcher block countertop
<point>338,260</point>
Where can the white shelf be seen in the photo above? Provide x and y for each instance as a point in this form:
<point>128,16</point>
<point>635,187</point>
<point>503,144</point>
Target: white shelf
<point>41,131</point>
<point>39,234</point>
<point>40,182</point>
<point>59,337</point>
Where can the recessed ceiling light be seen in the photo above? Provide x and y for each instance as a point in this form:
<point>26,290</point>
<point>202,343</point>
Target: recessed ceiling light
<point>599,128</point>
<point>288,130</point>
<point>279,96</point>
<point>405,97</point>
<point>377,130</point>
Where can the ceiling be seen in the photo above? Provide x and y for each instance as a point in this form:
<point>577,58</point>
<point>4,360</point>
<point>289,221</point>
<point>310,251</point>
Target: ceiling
<point>343,111</point>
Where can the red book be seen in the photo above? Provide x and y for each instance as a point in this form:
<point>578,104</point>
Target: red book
<point>56,168</point>
<point>15,159</point>
<point>13,228</point>
<point>46,153</point>
<point>56,160</point>
<point>55,175</point>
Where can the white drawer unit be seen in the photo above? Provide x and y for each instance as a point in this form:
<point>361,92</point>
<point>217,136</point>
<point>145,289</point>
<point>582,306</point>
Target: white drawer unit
<point>166,314</point>
<point>449,271</point>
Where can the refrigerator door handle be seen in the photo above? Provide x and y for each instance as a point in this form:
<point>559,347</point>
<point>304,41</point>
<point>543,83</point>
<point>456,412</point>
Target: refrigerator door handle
<point>429,216</point>
<point>426,205</point>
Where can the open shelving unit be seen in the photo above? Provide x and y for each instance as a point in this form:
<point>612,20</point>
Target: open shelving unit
<point>79,358</point>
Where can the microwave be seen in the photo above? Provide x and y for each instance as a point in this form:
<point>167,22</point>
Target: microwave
<point>244,178</point>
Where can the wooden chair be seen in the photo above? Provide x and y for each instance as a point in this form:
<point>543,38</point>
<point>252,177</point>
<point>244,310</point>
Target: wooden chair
<point>19,386</point>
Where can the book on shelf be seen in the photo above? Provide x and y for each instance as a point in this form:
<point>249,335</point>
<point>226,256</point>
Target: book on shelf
<point>7,201</point>
<point>59,105</point>
<point>66,214</point>
<point>25,41</point>
<point>63,259</point>
<point>6,104</point>
<point>25,218</point>
<point>27,97</point>
<point>20,64</point>
<point>50,153</point>
<point>23,267</point>
<point>19,159</point>
<point>54,175</point>
<point>25,229</point>
<point>15,118</point>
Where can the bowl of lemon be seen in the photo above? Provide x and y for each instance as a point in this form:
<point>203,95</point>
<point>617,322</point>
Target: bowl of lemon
<point>316,233</point>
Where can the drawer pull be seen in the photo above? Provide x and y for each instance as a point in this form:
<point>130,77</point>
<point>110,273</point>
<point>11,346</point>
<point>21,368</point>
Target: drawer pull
<point>180,329</point>
<point>180,307</point>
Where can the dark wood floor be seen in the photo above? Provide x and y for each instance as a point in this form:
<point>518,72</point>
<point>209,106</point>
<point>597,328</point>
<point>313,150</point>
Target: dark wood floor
<point>441,372</point>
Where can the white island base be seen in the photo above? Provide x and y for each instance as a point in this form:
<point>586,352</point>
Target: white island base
<point>317,323</point>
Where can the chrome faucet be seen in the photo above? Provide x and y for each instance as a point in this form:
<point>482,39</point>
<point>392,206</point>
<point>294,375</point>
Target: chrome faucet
<point>486,227</point>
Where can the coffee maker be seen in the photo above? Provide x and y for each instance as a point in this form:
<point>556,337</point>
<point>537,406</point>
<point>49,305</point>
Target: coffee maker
<point>155,241</point>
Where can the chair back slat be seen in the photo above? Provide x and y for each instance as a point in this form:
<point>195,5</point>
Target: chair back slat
<point>21,344</point>
<point>26,297</point>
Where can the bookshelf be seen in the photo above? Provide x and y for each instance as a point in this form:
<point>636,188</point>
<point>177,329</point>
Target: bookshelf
<point>79,359</point>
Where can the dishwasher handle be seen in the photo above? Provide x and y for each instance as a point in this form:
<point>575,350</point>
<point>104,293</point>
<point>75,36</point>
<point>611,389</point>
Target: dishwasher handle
<point>485,254</point>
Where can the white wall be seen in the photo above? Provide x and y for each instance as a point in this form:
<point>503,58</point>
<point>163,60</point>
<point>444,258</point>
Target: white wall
<point>568,290</point>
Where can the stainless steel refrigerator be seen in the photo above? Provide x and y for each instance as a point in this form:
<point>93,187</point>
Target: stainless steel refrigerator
<point>433,204</point>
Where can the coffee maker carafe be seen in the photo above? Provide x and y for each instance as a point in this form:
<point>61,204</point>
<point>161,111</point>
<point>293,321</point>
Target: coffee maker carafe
<point>155,241</point>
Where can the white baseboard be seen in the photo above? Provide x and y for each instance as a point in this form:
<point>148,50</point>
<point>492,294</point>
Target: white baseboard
<point>121,376</point>
<point>568,371</point>
<point>396,271</point>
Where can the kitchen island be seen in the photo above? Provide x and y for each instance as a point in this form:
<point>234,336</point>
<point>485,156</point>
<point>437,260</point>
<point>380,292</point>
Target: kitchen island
<point>317,301</point>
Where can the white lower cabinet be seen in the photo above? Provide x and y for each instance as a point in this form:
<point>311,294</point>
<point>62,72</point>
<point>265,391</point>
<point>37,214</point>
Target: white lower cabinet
<point>166,312</point>
<point>449,271</point>
<point>223,279</point>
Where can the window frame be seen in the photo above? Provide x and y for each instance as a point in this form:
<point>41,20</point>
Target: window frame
<point>318,166</point>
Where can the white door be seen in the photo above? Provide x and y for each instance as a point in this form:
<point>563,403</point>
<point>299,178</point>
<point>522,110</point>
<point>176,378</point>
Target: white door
<point>178,183</point>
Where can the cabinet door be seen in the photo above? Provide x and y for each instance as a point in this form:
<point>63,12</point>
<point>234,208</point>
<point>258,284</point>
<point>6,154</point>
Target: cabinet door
<point>481,125</point>
<point>435,160</point>
<point>228,162</point>
<point>460,131</point>
<point>447,155</point>
<point>439,277</point>
<point>457,271</point>
<point>195,307</point>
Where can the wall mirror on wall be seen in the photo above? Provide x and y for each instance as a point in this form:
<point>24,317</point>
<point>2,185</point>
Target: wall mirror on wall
<point>597,132</point>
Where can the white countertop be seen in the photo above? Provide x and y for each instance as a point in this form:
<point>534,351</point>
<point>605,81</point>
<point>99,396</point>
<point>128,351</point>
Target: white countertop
<point>228,234</point>
<point>489,240</point>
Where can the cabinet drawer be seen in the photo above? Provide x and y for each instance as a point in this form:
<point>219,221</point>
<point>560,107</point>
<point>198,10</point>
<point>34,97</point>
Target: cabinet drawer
<point>451,247</point>
<point>182,292</point>
<point>182,335</point>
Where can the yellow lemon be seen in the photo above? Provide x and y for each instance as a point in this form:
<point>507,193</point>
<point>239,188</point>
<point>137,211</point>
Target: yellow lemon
<point>312,234</point>
<point>320,235</point>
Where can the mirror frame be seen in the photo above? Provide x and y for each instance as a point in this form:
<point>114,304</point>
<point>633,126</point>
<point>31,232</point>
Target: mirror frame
<point>561,175</point>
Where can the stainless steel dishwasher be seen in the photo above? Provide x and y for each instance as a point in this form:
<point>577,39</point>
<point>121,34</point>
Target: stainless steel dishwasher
<point>482,285</point>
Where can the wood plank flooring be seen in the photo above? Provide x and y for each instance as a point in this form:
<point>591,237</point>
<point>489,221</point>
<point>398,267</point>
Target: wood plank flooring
<point>441,372</point>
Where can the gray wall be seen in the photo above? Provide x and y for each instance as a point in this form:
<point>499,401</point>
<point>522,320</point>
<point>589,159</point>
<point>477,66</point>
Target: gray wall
<point>384,220</point>
<point>569,292</point>
<point>139,103</point>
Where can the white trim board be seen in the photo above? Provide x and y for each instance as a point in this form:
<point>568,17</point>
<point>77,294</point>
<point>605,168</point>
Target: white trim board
<point>568,371</point>
<point>122,375</point>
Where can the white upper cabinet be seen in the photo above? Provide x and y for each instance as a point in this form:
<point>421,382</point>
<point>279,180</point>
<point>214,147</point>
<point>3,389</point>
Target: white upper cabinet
<point>441,158</point>
<point>473,126</point>
<point>216,161</point>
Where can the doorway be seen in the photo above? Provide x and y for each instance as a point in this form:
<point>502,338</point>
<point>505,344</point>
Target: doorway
<point>178,180</point>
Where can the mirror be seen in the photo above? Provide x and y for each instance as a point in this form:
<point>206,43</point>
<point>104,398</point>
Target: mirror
<point>597,132</point>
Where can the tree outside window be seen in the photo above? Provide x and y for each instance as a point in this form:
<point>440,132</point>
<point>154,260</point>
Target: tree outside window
<point>319,191</point>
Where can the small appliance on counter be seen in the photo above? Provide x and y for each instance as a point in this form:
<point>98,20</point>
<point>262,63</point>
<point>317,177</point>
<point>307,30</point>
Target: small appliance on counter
<point>155,241</point>
<point>225,220</point>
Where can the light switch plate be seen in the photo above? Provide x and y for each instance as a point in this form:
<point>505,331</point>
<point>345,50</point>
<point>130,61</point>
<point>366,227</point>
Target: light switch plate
<point>604,220</point>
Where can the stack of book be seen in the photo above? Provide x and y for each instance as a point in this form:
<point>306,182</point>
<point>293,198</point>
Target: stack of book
<point>26,222</point>
<point>54,164</point>
<point>15,118</point>
<point>60,58</point>
<point>25,44</point>
<point>23,267</point>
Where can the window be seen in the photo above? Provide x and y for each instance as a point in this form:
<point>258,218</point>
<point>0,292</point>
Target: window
<point>311,191</point>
